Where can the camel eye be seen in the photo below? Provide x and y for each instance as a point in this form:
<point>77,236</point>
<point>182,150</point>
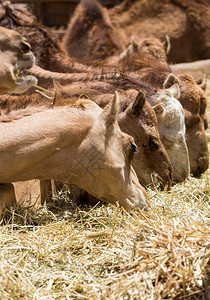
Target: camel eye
<point>153,145</point>
<point>25,47</point>
<point>133,150</point>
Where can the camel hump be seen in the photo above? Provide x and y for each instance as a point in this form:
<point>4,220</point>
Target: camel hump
<point>93,9</point>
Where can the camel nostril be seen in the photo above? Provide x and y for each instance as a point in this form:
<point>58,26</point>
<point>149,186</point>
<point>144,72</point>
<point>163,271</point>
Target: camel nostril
<point>156,178</point>
<point>197,174</point>
<point>203,163</point>
<point>158,181</point>
<point>202,166</point>
<point>205,121</point>
<point>171,174</point>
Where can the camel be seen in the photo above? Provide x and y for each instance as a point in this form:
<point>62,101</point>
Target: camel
<point>148,48</point>
<point>47,143</point>
<point>15,55</point>
<point>90,36</point>
<point>186,22</point>
<point>139,120</point>
<point>171,126</point>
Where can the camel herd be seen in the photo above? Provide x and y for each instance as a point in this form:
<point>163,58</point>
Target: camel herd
<point>114,119</point>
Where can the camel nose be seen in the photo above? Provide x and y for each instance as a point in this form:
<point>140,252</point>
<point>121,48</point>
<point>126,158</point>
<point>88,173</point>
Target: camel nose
<point>158,180</point>
<point>203,163</point>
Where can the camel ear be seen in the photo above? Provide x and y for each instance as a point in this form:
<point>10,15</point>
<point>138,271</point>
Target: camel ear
<point>170,80</point>
<point>159,109</point>
<point>138,103</point>
<point>174,91</point>
<point>202,82</point>
<point>167,44</point>
<point>134,44</point>
<point>110,111</point>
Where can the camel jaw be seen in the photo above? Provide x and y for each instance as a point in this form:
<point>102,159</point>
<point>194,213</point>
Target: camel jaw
<point>24,82</point>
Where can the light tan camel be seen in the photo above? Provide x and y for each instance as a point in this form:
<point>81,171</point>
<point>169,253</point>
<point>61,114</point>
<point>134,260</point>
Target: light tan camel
<point>81,145</point>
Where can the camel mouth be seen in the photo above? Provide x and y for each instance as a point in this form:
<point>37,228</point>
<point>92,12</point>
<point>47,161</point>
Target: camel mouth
<point>19,71</point>
<point>23,82</point>
<point>24,64</point>
<point>20,77</point>
<point>31,80</point>
<point>18,74</point>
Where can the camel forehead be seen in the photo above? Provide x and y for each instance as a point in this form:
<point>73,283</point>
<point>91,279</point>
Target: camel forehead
<point>148,122</point>
<point>165,97</point>
<point>13,45</point>
<point>193,98</point>
<point>117,134</point>
<point>150,42</point>
<point>7,36</point>
<point>174,112</point>
<point>190,88</point>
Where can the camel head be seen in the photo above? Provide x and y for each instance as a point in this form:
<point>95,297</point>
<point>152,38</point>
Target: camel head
<point>15,55</point>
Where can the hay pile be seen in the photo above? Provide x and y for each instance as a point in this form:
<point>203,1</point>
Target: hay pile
<point>63,252</point>
<point>107,253</point>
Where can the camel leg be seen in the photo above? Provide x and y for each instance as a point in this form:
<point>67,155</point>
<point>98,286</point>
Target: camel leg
<point>45,191</point>
<point>7,196</point>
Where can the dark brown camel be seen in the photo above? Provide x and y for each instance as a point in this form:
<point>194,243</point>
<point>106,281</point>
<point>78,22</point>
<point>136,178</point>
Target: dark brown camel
<point>186,22</point>
<point>90,36</point>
